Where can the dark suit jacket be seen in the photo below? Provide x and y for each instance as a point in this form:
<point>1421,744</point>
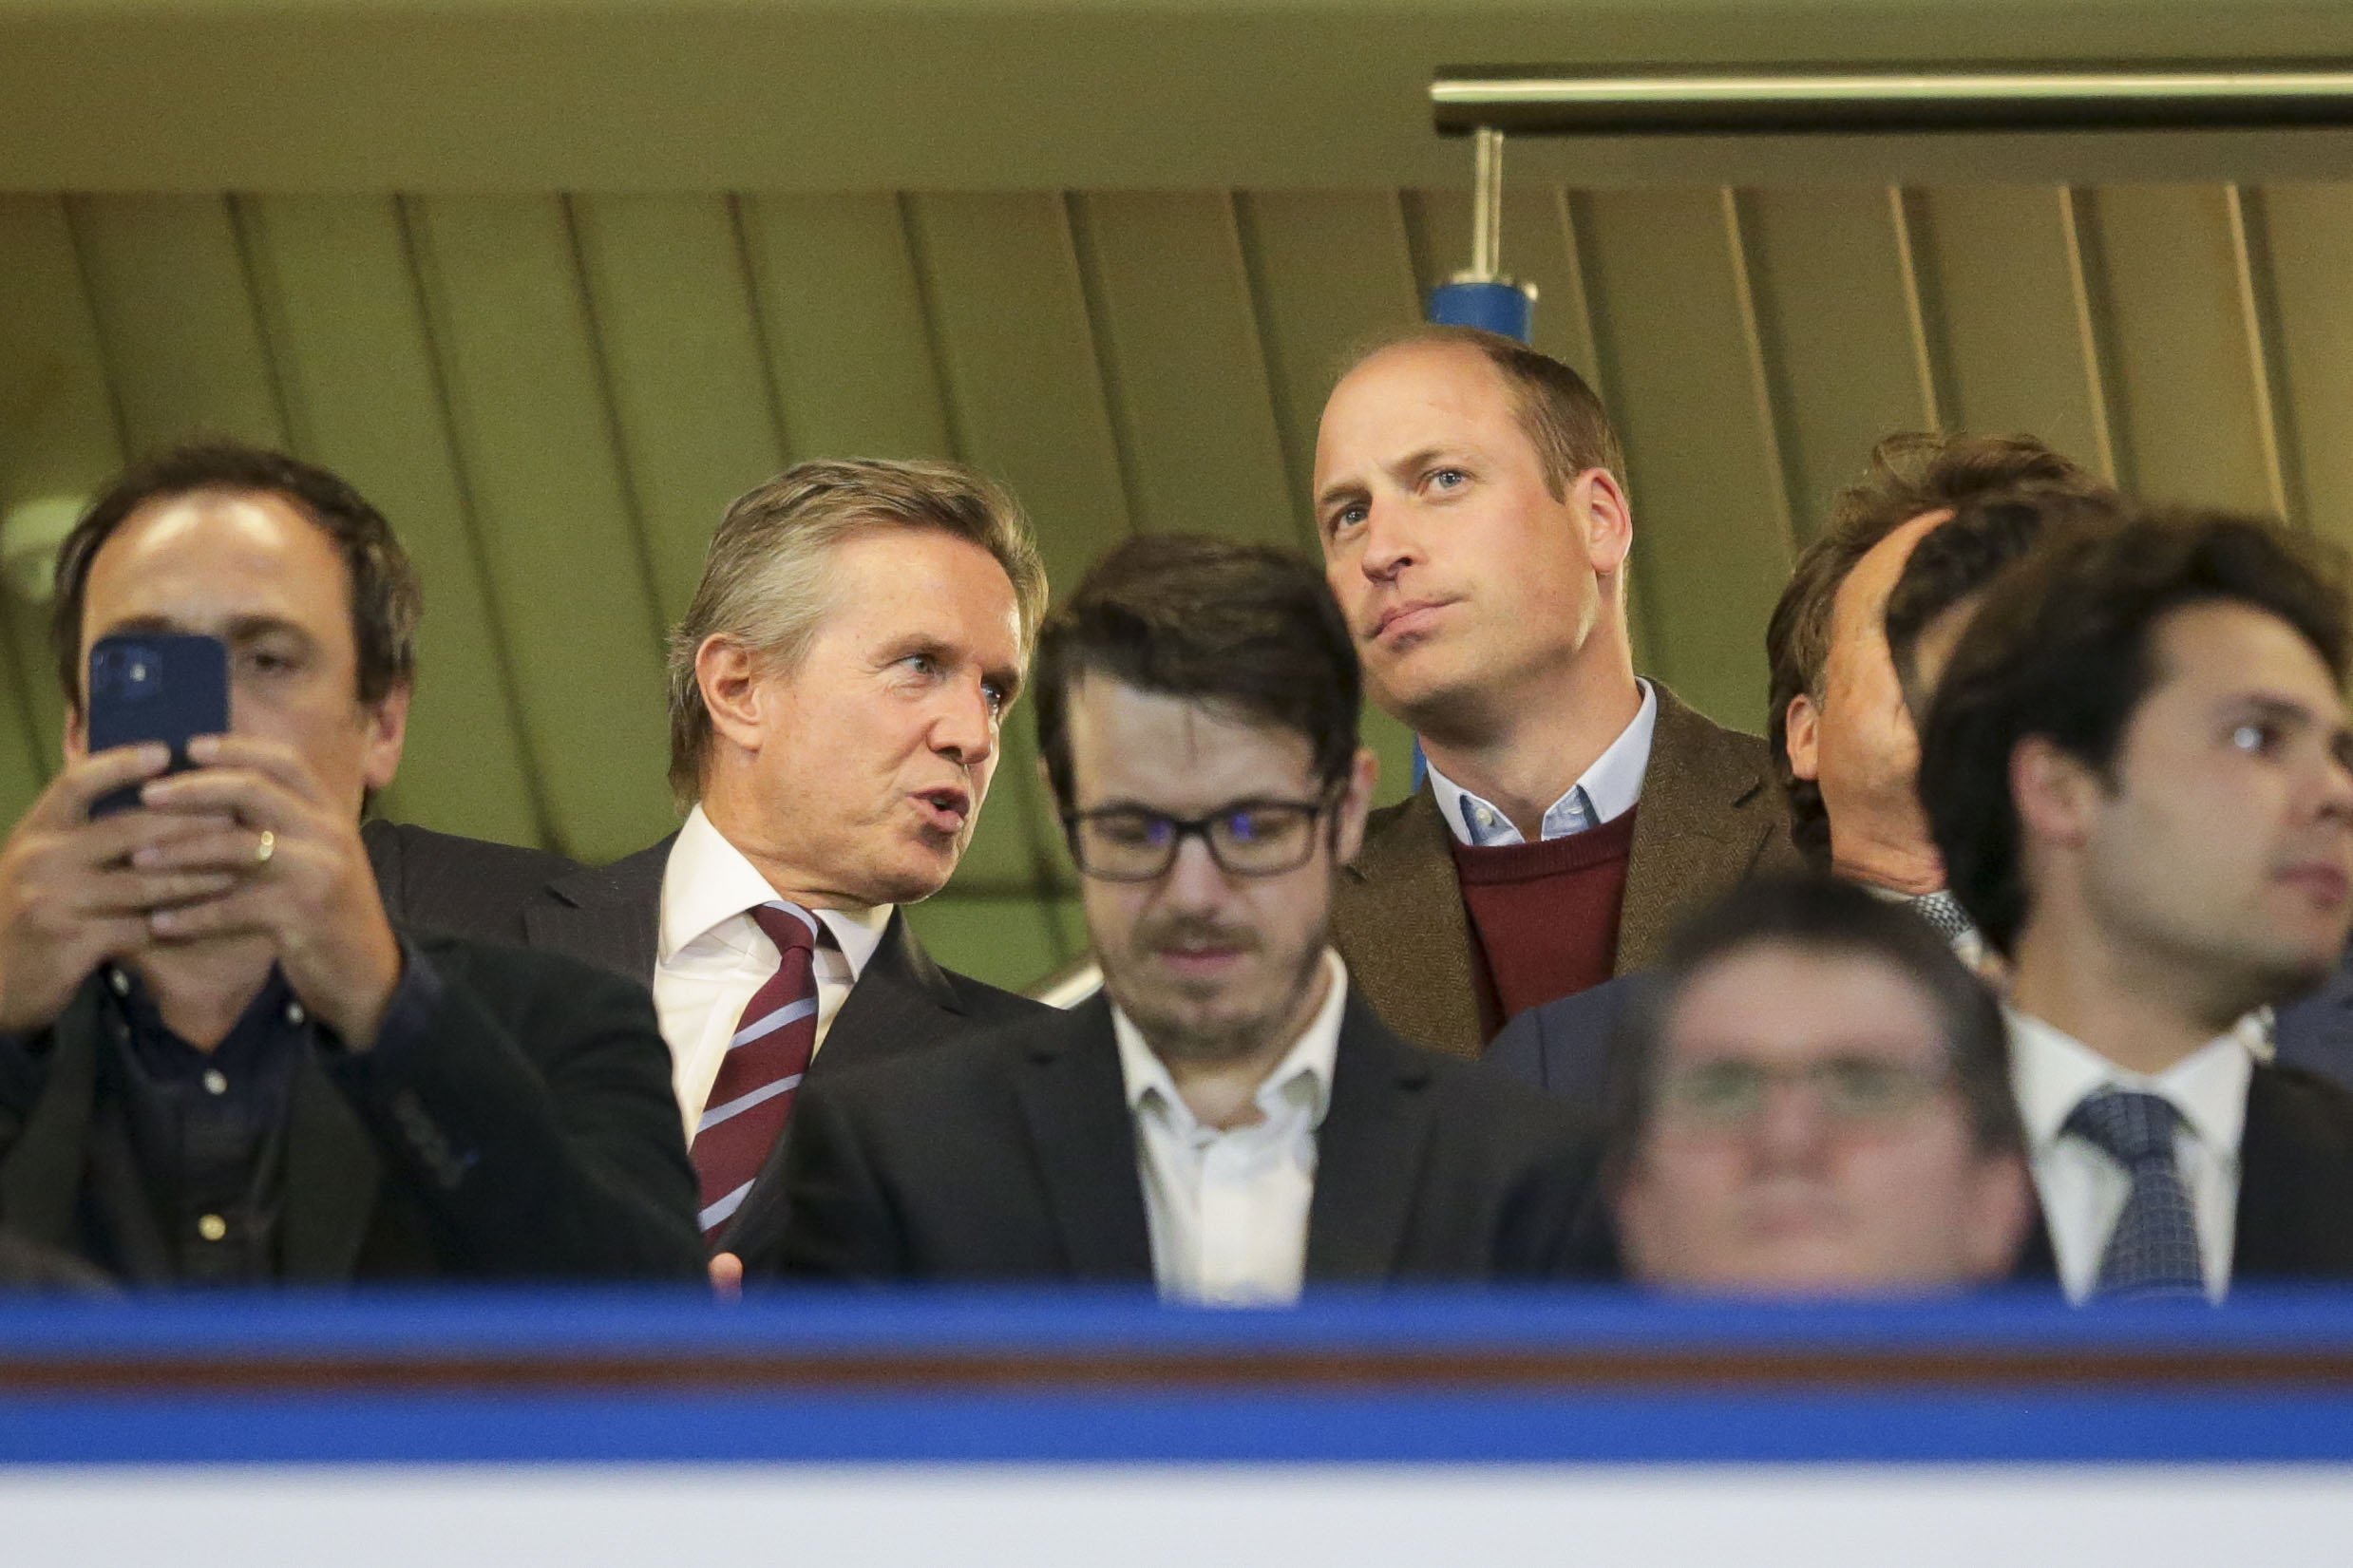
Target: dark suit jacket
<point>1710,816</point>
<point>527,1130</point>
<point>2295,1215</point>
<point>1013,1158</point>
<point>2317,1032</point>
<point>611,917</point>
<point>1562,1046</point>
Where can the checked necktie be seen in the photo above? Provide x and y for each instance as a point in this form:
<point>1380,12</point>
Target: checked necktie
<point>2153,1250</point>
<point>752,1095</point>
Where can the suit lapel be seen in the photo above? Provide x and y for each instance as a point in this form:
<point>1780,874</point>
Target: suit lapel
<point>1075,1100</point>
<point>42,1177</point>
<point>1400,923</point>
<point>1689,846</point>
<point>896,1004</point>
<point>331,1183</point>
<point>1369,1153</point>
<point>2295,1167</point>
<point>607,916</point>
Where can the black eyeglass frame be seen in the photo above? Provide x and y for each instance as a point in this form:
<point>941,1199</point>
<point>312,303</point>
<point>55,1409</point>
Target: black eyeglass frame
<point>1190,827</point>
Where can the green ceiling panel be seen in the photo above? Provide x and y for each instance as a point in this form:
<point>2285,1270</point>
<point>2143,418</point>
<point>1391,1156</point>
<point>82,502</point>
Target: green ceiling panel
<point>1174,319</point>
<point>2309,230</point>
<point>1677,348</point>
<point>565,557</point>
<point>850,350</point>
<point>1842,351</point>
<point>2189,420</point>
<point>689,380</point>
<point>174,310</point>
<point>2005,330</point>
<point>363,395</point>
<point>59,441</point>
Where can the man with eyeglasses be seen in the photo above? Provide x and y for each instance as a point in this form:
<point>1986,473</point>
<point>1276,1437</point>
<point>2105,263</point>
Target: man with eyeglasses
<point>1229,1120</point>
<point>1810,1097</point>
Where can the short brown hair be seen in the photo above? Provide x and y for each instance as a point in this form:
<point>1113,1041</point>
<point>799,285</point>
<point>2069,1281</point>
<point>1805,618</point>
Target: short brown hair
<point>764,578</point>
<point>385,599</point>
<point>1913,472</point>
<point>1562,418</point>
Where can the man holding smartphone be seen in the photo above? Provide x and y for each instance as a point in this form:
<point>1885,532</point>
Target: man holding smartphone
<point>220,1061</point>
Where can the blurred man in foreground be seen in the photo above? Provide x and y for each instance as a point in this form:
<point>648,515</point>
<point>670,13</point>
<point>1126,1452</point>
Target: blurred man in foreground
<point>2135,765</point>
<point>1229,1119</point>
<point>1810,1096</point>
<point>219,1062</point>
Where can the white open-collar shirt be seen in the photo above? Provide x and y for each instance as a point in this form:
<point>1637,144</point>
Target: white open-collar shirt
<point>2083,1188</point>
<point>712,955</point>
<point>1227,1207</point>
<point>1609,789</point>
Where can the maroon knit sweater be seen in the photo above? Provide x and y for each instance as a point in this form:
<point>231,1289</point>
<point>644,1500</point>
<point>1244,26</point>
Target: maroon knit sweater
<point>1543,917</point>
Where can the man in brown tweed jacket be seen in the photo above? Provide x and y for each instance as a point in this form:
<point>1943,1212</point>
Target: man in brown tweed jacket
<point>1469,499</point>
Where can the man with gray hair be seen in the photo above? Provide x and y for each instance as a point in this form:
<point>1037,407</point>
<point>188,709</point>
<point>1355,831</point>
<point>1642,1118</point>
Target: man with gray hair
<point>836,693</point>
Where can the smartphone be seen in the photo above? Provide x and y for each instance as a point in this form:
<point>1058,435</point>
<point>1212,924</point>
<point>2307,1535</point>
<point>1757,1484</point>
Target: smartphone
<point>156,685</point>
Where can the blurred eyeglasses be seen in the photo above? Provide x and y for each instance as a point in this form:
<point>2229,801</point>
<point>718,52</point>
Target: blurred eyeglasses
<point>1859,1090</point>
<point>1126,843</point>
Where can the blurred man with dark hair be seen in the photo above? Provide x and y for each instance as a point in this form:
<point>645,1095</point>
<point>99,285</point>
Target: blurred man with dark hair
<point>220,1061</point>
<point>1229,1119</point>
<point>1810,1095</point>
<point>1471,496</point>
<point>2135,765</point>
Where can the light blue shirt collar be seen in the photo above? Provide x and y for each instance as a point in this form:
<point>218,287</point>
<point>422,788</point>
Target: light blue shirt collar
<point>1607,792</point>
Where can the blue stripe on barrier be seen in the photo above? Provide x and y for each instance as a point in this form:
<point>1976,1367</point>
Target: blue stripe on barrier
<point>1142,1427</point>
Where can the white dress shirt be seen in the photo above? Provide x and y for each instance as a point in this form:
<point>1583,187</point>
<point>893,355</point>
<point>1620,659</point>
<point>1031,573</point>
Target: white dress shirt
<point>712,955</point>
<point>1227,1207</point>
<point>1607,792</point>
<point>2083,1188</point>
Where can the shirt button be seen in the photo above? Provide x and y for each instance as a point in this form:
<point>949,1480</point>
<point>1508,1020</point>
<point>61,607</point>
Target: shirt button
<point>212,1227</point>
<point>295,1015</point>
<point>1487,817</point>
<point>213,1082</point>
<point>120,981</point>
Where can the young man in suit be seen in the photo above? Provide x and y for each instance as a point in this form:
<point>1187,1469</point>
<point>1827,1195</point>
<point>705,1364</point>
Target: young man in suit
<point>1469,495</point>
<point>1810,1096</point>
<point>221,1063</point>
<point>2135,767</point>
<point>1229,1119</point>
<point>1842,739</point>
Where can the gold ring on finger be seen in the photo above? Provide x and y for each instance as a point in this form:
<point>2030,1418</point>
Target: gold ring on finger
<point>267,847</point>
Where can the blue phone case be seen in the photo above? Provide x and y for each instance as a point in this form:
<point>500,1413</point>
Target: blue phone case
<point>155,686</point>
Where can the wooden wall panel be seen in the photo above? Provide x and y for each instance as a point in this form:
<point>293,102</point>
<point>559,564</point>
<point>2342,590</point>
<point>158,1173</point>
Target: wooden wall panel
<point>682,353</point>
<point>59,443</point>
<point>2006,335</point>
<point>566,561</point>
<point>1674,332</point>
<point>2309,233</point>
<point>1843,357</point>
<point>175,312</point>
<point>843,316</point>
<point>1328,270</point>
<point>2188,424</point>
<point>1174,319</point>
<point>363,395</point>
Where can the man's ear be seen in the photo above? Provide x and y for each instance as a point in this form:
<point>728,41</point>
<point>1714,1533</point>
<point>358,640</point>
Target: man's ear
<point>727,674</point>
<point>75,743</point>
<point>1601,506</point>
<point>2054,792</point>
<point>388,732</point>
<point>1803,733</point>
<point>1355,803</point>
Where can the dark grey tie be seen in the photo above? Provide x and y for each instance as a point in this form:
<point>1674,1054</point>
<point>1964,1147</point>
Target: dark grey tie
<point>2154,1251</point>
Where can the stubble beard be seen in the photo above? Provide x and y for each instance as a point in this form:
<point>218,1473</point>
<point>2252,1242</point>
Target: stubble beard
<point>1178,1037</point>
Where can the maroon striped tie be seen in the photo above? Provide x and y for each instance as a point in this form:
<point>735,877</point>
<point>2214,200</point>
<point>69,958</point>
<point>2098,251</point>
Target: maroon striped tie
<point>752,1095</point>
